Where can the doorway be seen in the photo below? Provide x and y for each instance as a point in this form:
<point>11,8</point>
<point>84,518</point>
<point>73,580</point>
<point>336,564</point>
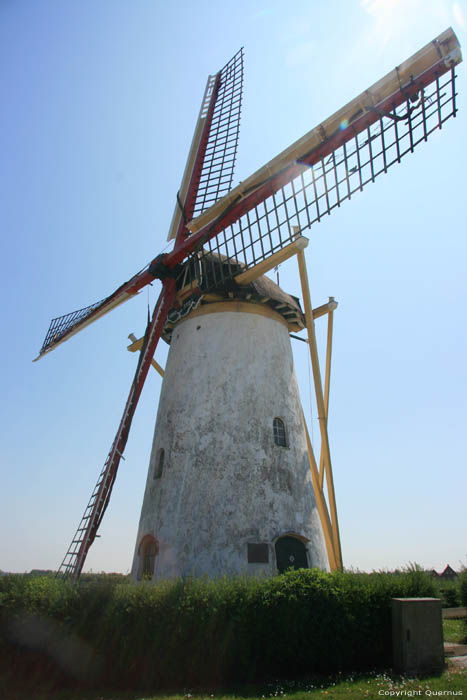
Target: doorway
<point>290,554</point>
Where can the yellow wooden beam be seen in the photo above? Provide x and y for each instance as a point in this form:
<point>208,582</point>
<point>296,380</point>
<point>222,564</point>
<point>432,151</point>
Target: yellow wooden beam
<point>272,261</point>
<point>312,346</point>
<point>137,344</point>
<point>325,308</point>
<point>321,503</point>
<point>327,381</point>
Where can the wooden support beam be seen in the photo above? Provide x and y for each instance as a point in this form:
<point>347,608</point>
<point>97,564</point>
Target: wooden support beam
<point>137,344</point>
<point>243,278</point>
<point>325,308</point>
<point>295,327</point>
<point>312,345</point>
<point>327,380</point>
<point>321,503</point>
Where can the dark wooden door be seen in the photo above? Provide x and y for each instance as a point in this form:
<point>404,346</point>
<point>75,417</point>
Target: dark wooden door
<point>290,554</point>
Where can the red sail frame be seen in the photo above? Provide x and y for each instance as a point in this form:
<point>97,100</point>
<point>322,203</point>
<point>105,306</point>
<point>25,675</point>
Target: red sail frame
<point>248,200</point>
<point>75,557</point>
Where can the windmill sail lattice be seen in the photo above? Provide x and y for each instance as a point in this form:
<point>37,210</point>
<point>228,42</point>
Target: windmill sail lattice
<point>60,325</point>
<point>220,110</point>
<point>327,181</point>
<point>216,174</point>
<point>63,327</point>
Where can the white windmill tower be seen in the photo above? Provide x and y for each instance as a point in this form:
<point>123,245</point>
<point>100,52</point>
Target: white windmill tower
<point>228,487</point>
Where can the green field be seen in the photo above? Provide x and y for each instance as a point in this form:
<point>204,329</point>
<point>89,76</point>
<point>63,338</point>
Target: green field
<point>455,631</point>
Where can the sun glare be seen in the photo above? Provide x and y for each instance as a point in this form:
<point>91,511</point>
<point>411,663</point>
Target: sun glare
<point>458,15</point>
<point>379,8</point>
<point>389,16</point>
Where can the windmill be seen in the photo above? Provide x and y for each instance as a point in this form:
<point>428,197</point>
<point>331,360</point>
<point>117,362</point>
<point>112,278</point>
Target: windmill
<point>225,240</point>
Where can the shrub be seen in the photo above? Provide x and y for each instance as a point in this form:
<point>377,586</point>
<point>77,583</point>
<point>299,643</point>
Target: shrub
<point>448,592</point>
<point>462,583</point>
<point>203,632</point>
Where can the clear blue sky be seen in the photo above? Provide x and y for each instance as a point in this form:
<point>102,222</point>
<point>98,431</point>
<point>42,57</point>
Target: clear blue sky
<point>99,102</point>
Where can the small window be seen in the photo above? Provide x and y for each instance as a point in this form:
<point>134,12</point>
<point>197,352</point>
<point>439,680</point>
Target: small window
<point>159,466</point>
<point>279,432</point>
<point>147,551</point>
<point>149,559</point>
<point>258,553</point>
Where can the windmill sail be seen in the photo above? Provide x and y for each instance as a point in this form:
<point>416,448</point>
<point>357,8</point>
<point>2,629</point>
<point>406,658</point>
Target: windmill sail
<point>217,171</point>
<point>331,163</point>
<point>75,556</point>
<point>63,327</point>
<point>210,166</point>
<point>226,88</point>
<point>208,177</point>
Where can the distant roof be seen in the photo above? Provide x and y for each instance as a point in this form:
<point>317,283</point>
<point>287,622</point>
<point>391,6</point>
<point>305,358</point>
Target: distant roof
<point>448,572</point>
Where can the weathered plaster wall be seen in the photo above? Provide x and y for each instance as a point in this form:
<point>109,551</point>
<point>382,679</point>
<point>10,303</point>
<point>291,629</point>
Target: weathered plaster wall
<point>225,482</point>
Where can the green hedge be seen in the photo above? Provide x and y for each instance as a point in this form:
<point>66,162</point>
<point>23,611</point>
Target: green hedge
<point>462,579</point>
<point>192,633</point>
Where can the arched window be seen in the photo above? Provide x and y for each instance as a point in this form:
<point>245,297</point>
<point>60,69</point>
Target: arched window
<point>147,552</point>
<point>278,428</point>
<point>159,466</point>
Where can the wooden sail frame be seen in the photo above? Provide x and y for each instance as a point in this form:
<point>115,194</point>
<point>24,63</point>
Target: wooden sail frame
<point>435,58</point>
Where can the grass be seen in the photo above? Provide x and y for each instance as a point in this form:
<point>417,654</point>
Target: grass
<point>349,686</point>
<point>454,631</point>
